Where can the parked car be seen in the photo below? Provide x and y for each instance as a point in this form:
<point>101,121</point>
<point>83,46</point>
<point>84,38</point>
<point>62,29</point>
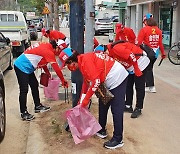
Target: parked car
<point>5,63</point>
<point>6,58</point>
<point>32,29</point>
<point>103,25</point>
<point>38,23</point>
<point>115,18</point>
<point>2,108</point>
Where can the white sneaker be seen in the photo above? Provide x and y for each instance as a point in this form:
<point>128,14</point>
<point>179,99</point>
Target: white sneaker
<point>152,89</point>
<point>147,89</point>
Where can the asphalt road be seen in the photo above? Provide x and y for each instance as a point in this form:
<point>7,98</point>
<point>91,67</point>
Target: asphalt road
<point>155,132</point>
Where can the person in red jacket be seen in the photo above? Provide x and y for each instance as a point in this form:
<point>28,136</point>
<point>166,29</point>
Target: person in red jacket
<point>135,60</point>
<point>54,35</point>
<point>151,36</point>
<point>92,66</point>
<point>36,56</point>
<point>124,33</point>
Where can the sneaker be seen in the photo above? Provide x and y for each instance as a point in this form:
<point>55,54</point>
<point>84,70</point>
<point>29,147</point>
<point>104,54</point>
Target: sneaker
<point>147,89</point>
<point>41,108</point>
<point>26,116</point>
<point>113,144</point>
<point>136,113</point>
<point>102,134</point>
<point>128,109</point>
<point>152,89</point>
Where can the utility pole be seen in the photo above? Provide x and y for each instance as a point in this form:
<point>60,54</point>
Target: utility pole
<point>77,43</point>
<point>89,22</point>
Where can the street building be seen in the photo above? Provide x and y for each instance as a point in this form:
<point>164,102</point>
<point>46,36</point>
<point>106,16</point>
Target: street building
<point>166,13</point>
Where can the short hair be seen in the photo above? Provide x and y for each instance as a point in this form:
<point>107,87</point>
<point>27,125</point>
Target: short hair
<point>151,22</point>
<point>48,31</point>
<point>53,43</point>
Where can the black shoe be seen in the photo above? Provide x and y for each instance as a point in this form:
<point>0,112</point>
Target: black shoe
<point>136,113</point>
<point>26,116</point>
<point>113,144</point>
<point>102,134</point>
<point>128,109</point>
<point>41,108</point>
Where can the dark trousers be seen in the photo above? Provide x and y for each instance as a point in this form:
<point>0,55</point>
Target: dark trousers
<point>117,109</point>
<point>140,89</point>
<point>24,80</point>
<point>149,74</point>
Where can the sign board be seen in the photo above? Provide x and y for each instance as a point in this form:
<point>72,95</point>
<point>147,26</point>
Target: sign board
<point>45,10</point>
<point>30,14</point>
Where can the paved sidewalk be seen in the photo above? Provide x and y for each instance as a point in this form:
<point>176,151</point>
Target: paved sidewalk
<point>154,132</point>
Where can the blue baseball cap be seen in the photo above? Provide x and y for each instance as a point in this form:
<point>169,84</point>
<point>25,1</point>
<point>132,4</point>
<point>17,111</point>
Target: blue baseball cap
<point>147,16</point>
<point>99,48</point>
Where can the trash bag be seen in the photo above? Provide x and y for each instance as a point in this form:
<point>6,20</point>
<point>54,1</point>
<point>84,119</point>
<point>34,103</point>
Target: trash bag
<point>44,79</point>
<point>51,91</point>
<point>82,123</point>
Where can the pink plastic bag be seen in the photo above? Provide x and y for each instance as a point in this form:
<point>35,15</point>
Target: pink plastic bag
<point>51,91</point>
<point>82,123</point>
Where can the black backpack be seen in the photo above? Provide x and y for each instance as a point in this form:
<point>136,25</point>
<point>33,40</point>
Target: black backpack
<point>117,42</point>
<point>150,52</point>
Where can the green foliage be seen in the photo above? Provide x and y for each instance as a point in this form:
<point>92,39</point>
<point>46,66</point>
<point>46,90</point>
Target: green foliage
<point>31,6</point>
<point>36,5</point>
<point>62,2</point>
<point>39,4</point>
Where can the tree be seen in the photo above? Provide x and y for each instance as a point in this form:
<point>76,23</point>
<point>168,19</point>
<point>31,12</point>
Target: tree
<point>38,5</point>
<point>7,5</point>
<point>54,12</point>
<point>56,15</point>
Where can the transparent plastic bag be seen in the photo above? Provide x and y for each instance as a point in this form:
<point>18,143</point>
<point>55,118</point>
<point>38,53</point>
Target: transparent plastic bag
<point>51,91</point>
<point>82,123</point>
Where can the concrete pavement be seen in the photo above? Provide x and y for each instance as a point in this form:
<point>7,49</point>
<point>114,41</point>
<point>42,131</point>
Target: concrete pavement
<point>156,131</point>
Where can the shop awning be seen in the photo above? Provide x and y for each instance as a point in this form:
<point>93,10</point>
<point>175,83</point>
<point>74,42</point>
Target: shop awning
<point>133,2</point>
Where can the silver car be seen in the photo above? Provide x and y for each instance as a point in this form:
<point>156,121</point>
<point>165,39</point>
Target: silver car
<point>2,108</point>
<point>5,63</point>
<point>6,58</point>
<point>38,23</point>
<point>103,25</point>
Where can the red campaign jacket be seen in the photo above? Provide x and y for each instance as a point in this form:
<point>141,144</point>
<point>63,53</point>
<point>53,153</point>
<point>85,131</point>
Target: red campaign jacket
<point>92,67</point>
<point>151,36</point>
<point>46,51</point>
<point>125,53</point>
<point>127,34</point>
<point>55,35</point>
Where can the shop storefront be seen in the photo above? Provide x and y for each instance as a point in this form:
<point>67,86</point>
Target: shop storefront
<point>165,23</point>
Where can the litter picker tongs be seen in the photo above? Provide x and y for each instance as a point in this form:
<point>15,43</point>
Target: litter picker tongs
<point>66,95</point>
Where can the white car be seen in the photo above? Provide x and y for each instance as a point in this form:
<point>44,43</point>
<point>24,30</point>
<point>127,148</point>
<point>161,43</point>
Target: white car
<point>13,25</point>
<point>103,25</point>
